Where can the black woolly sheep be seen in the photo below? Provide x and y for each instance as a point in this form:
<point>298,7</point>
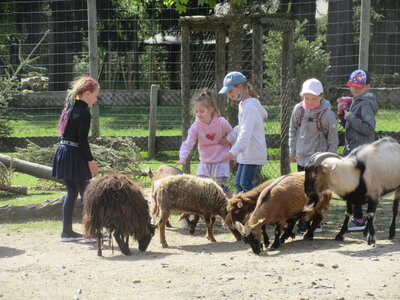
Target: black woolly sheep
<point>116,203</point>
<point>363,176</point>
<point>280,203</point>
<point>192,195</point>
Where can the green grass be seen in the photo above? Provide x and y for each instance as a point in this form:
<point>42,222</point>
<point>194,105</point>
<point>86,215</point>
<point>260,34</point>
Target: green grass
<point>133,121</point>
<point>44,226</point>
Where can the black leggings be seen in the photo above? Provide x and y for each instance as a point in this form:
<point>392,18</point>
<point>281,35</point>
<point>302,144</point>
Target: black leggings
<point>73,188</point>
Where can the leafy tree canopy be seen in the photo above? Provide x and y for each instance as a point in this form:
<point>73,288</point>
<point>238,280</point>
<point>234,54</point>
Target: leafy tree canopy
<point>181,5</point>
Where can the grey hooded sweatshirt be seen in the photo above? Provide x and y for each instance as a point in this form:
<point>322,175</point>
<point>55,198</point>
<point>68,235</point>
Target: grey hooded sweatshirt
<point>360,124</point>
<point>305,136</point>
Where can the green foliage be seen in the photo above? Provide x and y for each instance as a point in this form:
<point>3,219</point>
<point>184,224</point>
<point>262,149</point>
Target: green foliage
<point>8,90</point>
<point>111,153</point>
<point>309,60</point>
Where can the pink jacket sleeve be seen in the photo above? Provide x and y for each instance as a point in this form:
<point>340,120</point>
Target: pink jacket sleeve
<point>188,144</point>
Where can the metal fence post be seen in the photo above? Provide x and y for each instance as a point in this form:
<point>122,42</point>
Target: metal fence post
<point>93,63</point>
<point>153,120</point>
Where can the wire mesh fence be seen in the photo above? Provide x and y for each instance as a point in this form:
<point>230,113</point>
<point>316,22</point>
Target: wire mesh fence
<point>140,45</point>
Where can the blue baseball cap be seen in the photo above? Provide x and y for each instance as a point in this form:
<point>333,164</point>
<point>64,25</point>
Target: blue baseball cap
<point>230,80</point>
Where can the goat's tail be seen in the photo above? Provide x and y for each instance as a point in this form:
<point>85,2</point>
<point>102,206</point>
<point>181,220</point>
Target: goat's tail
<point>156,208</point>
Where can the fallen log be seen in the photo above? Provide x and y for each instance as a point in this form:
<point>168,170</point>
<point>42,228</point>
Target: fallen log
<point>30,168</point>
<point>15,189</point>
<point>46,210</point>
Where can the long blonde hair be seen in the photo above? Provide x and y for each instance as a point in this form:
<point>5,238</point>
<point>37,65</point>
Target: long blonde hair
<point>206,98</point>
<point>249,88</point>
<point>78,86</point>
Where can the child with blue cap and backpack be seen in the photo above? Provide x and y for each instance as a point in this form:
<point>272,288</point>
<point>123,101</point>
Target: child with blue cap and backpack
<point>247,139</point>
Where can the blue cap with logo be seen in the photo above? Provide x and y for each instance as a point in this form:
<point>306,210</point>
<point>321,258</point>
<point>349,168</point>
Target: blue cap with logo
<point>230,80</point>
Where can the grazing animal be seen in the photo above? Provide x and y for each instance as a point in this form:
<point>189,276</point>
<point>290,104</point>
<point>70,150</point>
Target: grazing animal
<point>162,172</point>
<point>192,195</point>
<point>282,202</point>
<point>116,203</point>
<point>363,176</point>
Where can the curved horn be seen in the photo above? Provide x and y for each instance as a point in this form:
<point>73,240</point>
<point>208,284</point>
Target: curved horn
<point>318,157</point>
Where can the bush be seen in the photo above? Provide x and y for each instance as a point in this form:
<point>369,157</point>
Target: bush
<point>309,60</point>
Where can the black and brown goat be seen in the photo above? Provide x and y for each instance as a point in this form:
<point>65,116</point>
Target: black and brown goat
<point>117,203</point>
<point>280,203</point>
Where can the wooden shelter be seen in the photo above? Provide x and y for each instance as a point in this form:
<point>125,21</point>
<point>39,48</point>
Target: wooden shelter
<point>222,26</point>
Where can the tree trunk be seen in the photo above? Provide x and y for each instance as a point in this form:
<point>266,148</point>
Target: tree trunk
<point>29,168</point>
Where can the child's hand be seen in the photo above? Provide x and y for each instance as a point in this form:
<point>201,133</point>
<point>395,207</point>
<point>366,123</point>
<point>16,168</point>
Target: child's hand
<point>224,141</point>
<point>229,156</point>
<point>292,158</point>
<point>181,161</point>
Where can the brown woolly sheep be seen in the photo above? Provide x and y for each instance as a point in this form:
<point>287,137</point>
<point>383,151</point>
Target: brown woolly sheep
<point>192,195</point>
<point>116,203</point>
<point>282,202</point>
<point>162,172</point>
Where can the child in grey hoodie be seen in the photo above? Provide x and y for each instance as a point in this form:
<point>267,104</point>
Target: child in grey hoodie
<point>359,124</point>
<point>312,129</point>
<point>312,125</point>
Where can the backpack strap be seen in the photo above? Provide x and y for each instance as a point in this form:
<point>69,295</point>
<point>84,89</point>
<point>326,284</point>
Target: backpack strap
<point>301,114</point>
<point>318,121</point>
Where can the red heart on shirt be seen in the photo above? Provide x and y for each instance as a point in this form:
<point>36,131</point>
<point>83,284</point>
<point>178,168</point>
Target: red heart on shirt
<point>211,136</point>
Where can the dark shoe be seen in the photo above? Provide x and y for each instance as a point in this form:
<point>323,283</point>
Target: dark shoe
<point>356,225</point>
<point>70,236</point>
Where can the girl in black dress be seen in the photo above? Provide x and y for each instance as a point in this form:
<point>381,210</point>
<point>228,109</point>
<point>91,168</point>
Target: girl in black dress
<point>73,160</point>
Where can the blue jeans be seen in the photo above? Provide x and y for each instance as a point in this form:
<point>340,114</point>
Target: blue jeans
<point>244,178</point>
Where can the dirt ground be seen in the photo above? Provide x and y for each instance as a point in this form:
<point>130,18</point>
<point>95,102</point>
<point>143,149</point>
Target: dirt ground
<point>35,265</point>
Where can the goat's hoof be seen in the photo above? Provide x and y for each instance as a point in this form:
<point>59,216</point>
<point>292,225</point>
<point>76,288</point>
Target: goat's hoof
<point>391,236</point>
<point>275,245</point>
<point>211,239</point>
<point>371,239</point>
<point>164,245</point>
<point>339,238</point>
<point>308,237</point>
<point>191,231</point>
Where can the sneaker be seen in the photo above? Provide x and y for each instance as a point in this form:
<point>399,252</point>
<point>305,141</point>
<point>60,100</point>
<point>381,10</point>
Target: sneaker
<point>70,236</point>
<point>94,240</point>
<point>356,224</point>
<point>318,229</point>
<point>184,224</point>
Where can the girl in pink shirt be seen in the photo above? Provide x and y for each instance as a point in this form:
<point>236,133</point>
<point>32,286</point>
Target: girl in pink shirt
<point>208,129</point>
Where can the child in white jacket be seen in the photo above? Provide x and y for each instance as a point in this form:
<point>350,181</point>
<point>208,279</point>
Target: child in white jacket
<point>247,138</point>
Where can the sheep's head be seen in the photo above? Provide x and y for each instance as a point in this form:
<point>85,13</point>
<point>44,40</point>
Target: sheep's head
<point>239,206</point>
<point>316,175</point>
<point>145,240</point>
<point>251,235</point>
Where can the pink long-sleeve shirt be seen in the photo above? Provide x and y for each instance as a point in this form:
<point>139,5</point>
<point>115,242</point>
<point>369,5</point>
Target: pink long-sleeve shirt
<point>208,136</point>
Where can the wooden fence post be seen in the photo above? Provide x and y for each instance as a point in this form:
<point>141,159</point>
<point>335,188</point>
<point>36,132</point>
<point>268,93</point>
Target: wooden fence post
<point>153,120</point>
<point>185,88</point>
<point>286,92</point>
<point>93,64</point>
